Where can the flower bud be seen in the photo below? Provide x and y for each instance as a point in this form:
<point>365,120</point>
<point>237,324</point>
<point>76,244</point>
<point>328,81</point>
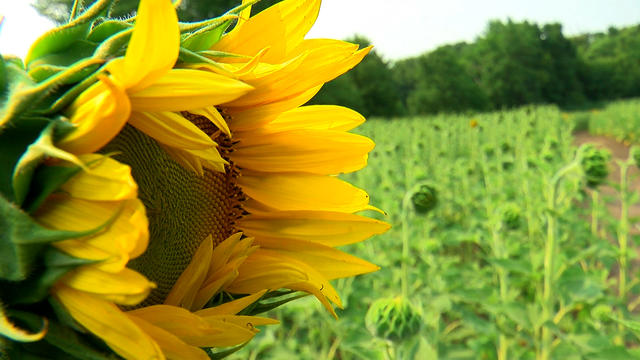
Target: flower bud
<point>393,319</point>
<point>425,199</point>
<point>594,165</point>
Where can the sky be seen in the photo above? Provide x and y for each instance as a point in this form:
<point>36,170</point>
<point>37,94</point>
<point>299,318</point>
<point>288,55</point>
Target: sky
<point>398,28</point>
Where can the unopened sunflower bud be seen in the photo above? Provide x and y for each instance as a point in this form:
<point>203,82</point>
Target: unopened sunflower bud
<point>425,199</point>
<point>635,155</point>
<point>393,319</point>
<point>594,166</point>
<point>511,216</point>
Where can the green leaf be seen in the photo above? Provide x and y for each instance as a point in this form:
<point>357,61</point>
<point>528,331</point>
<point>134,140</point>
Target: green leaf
<point>512,265</point>
<point>190,57</point>
<point>64,36</point>
<point>577,286</point>
<point>22,241</point>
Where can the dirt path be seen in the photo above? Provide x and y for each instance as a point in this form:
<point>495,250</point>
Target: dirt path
<point>618,151</point>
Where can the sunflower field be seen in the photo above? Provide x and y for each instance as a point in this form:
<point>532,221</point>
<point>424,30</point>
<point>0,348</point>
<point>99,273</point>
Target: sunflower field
<point>511,253</point>
<point>169,190</point>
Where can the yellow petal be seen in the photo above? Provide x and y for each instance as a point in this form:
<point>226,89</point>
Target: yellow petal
<point>186,287</point>
<point>322,152</point>
<point>323,227</point>
<point>125,237</point>
<point>266,269</point>
<point>305,192</point>
<point>249,322</point>
<point>109,323</point>
<point>187,89</point>
<point>99,113</point>
<point>207,291</point>
<point>104,179</point>
<point>317,66</point>
<point>192,329</point>
<point>231,307</point>
<point>171,129</point>
<point>250,118</point>
<point>153,48</point>
<point>316,117</point>
<point>171,345</point>
<point>261,272</point>
<point>281,26</point>
<point>211,113</point>
<point>330,262</point>
<point>126,287</point>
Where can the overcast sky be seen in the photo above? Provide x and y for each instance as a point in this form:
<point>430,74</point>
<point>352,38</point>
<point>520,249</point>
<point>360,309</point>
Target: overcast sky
<point>398,28</point>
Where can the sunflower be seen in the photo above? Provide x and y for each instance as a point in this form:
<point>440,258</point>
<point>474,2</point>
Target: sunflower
<point>193,189</point>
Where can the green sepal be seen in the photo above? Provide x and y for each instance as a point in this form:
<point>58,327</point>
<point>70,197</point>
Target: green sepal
<point>275,299</point>
<point>36,287</point>
<point>36,152</point>
<point>27,98</point>
<point>60,342</point>
<point>64,36</point>
<point>20,330</point>
<point>16,86</point>
<point>223,354</point>
<point>203,35</point>
<point>107,29</point>
<point>52,64</point>
<point>46,180</point>
<point>114,46</point>
<point>22,241</point>
<point>189,57</point>
<point>3,78</point>
<point>14,141</point>
<point>71,94</point>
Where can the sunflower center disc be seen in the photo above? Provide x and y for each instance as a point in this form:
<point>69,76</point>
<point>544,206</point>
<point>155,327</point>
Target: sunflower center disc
<point>183,208</point>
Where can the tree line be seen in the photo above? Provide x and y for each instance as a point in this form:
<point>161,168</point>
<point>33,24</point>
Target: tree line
<point>511,64</point>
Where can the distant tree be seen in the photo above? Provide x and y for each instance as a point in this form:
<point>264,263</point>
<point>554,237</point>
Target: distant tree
<point>189,10</point>
<point>564,86</point>
<point>406,73</point>
<point>370,84</point>
<point>611,62</point>
<point>511,64</point>
<point>444,84</point>
<point>341,91</point>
